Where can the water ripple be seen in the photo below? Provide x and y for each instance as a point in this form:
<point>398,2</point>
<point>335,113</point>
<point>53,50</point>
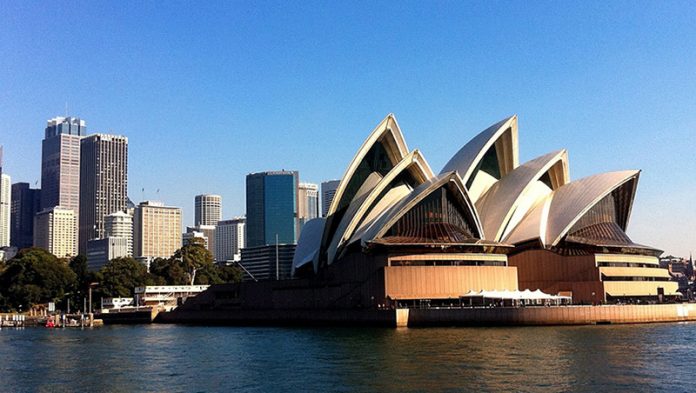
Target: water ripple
<point>170,358</point>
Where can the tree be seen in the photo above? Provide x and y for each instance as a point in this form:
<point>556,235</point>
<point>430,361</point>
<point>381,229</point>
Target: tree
<point>83,278</point>
<point>193,257</point>
<point>79,266</point>
<point>170,272</point>
<point>120,276</point>
<point>193,264</point>
<point>230,273</point>
<point>34,276</point>
<point>215,274</point>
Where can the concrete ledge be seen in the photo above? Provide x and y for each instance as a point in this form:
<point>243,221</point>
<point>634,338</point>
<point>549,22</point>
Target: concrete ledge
<point>566,315</point>
<point>523,316</point>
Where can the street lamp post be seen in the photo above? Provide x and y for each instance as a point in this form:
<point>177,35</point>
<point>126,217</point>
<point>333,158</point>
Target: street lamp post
<point>91,315</point>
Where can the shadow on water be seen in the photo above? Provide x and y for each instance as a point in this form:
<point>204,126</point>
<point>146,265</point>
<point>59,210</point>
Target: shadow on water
<point>168,358</point>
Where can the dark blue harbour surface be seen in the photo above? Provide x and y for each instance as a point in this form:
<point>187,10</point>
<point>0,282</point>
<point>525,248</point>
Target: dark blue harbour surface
<point>173,358</point>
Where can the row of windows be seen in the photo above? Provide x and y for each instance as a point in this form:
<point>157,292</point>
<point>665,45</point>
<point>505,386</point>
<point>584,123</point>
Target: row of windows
<point>605,278</point>
<point>625,264</point>
<point>447,263</point>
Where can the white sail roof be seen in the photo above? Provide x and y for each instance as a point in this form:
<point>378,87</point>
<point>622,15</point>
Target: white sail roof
<point>307,250</point>
<point>501,136</point>
<point>551,219</point>
<point>414,163</point>
<point>389,135</point>
<point>516,193</point>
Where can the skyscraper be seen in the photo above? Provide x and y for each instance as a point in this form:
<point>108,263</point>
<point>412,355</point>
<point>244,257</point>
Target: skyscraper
<point>229,239</point>
<point>156,230</point>
<point>308,206</point>
<point>60,164</point>
<point>54,231</point>
<point>26,202</point>
<point>103,183</point>
<point>271,205</point>
<point>5,200</point>
<point>328,189</point>
<point>120,224</point>
<point>208,209</point>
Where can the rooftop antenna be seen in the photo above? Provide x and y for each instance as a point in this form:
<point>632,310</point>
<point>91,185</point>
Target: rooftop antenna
<point>66,108</point>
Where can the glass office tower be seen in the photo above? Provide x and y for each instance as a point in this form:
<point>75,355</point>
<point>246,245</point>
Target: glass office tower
<point>272,208</point>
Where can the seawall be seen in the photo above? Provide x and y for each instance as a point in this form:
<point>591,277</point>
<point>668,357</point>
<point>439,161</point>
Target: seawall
<point>504,316</point>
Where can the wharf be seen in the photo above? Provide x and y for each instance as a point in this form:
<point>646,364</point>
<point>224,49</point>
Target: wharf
<point>129,316</point>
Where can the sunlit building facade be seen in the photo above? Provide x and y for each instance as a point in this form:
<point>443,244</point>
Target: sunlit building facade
<point>207,209</point>
<point>120,224</point>
<point>328,189</point>
<point>308,204</point>
<point>60,164</point>
<point>230,239</point>
<point>5,212</point>
<point>103,183</point>
<point>156,230</point>
<point>54,231</point>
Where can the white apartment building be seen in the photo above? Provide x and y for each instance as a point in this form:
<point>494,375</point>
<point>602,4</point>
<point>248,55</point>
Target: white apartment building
<point>230,239</point>
<point>120,224</point>
<point>5,202</point>
<point>54,231</point>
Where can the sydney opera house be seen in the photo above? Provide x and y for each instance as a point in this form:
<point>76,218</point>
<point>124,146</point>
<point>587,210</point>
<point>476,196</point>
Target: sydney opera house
<point>399,233</point>
<point>400,236</point>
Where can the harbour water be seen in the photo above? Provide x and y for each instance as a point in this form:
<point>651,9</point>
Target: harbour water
<point>173,358</point>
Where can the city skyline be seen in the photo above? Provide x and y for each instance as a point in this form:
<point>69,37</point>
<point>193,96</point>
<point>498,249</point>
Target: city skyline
<point>635,99</point>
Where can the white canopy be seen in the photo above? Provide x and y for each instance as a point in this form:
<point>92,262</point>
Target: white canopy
<point>515,295</point>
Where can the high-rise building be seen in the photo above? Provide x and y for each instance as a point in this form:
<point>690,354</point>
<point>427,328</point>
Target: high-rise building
<point>209,232</point>
<point>103,183</point>
<point>5,200</point>
<point>65,126</point>
<point>120,224</point>
<point>308,206</point>
<point>208,209</point>
<point>328,189</point>
<point>54,231</point>
<point>229,239</point>
<point>101,251</point>
<point>60,164</point>
<point>271,205</point>
<point>156,230</point>
<point>26,202</point>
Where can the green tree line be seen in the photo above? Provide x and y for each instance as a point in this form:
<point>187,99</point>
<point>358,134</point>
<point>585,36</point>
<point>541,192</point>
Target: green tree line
<point>34,276</point>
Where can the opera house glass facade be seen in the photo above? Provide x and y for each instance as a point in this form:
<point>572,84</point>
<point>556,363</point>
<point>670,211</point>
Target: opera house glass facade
<point>398,232</point>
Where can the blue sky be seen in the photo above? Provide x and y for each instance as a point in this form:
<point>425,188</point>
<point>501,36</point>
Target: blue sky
<point>209,91</point>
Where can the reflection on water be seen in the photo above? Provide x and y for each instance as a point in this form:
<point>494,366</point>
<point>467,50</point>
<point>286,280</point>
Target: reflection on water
<point>164,358</point>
